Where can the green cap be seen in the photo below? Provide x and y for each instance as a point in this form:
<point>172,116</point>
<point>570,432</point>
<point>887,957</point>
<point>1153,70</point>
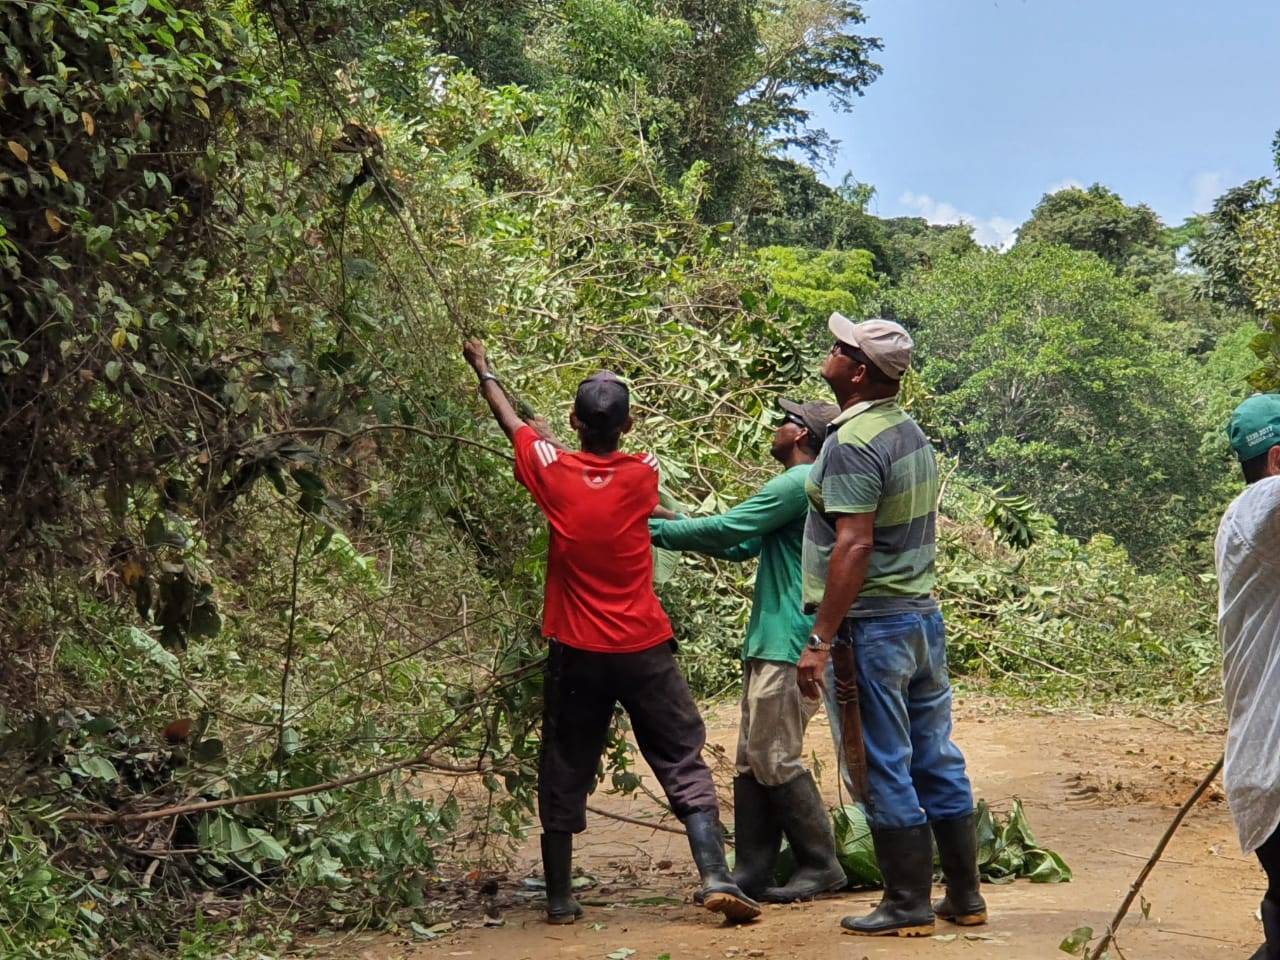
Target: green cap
<point>1255,426</point>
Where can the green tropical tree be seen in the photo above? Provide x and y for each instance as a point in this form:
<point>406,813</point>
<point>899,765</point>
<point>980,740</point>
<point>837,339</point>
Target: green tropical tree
<point>1052,375</point>
<point>1097,220</point>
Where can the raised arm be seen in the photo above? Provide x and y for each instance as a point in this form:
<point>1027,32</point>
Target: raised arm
<point>491,388</point>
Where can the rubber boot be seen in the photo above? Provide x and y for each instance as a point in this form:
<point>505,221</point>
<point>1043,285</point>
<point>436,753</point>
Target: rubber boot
<point>1271,929</point>
<point>557,868</point>
<point>757,835</point>
<point>958,850</point>
<point>905,856</point>
<point>719,893</point>
<point>798,806</point>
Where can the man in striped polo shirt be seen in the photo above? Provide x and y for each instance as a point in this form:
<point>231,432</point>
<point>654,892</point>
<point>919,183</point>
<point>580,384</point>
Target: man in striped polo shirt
<point>869,573</point>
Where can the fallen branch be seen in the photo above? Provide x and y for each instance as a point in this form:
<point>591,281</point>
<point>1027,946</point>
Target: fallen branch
<point>1150,864</point>
<point>1036,660</point>
<point>423,759</point>
<point>636,820</point>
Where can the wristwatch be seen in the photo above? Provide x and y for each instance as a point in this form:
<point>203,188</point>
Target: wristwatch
<point>817,644</point>
<point>486,376</point>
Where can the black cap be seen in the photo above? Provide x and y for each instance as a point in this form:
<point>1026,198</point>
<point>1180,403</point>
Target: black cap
<point>816,414</point>
<point>603,402</point>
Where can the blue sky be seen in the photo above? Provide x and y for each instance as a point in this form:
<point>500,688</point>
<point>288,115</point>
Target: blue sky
<point>986,105</point>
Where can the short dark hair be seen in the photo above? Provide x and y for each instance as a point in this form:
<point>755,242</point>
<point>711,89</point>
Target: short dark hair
<point>813,441</point>
<point>1255,468</point>
<point>599,441</point>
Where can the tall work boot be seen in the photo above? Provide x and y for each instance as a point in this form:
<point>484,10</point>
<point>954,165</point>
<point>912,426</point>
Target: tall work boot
<point>1271,928</point>
<point>719,893</point>
<point>798,806</point>
<point>557,868</point>
<point>905,856</point>
<point>756,834</point>
<point>958,850</point>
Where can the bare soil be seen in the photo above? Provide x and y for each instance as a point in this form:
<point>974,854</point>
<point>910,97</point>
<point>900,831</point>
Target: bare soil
<point>1100,790</point>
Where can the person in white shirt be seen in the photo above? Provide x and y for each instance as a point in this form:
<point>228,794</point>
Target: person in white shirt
<point>1248,560</point>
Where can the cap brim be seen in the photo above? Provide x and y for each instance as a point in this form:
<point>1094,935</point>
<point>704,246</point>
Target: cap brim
<point>792,407</point>
<point>842,327</point>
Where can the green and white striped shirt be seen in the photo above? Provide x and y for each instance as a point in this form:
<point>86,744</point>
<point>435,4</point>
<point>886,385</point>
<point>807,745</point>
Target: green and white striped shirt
<point>876,459</point>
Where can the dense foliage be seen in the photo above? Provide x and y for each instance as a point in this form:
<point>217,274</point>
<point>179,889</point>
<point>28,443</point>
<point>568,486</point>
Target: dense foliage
<point>260,539</point>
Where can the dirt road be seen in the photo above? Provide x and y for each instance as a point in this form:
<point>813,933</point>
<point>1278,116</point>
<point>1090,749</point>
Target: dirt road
<point>1099,790</point>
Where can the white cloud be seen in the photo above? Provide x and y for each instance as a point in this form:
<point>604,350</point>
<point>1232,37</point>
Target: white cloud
<point>1071,183</point>
<point>989,231</point>
<point>1207,187</point>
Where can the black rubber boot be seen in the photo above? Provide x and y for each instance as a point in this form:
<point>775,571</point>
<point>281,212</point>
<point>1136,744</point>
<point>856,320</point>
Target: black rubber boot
<point>756,835</point>
<point>958,850</point>
<point>798,806</point>
<point>557,868</point>
<point>905,857</point>
<point>1271,929</point>
<point>719,893</point>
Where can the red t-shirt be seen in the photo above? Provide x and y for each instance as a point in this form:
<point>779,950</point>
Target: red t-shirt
<point>599,562</point>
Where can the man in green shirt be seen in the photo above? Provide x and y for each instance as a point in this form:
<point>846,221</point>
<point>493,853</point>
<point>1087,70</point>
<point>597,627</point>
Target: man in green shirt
<point>773,792</point>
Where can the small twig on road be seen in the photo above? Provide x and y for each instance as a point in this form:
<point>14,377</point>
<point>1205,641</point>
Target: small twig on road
<point>1202,936</point>
<point>636,820</point>
<point>1138,856</point>
<point>1110,935</point>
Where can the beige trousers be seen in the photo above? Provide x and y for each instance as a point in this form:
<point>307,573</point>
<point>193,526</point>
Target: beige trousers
<point>774,717</point>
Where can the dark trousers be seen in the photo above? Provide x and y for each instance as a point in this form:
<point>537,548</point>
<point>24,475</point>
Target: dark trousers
<point>580,690</point>
<point>1269,857</point>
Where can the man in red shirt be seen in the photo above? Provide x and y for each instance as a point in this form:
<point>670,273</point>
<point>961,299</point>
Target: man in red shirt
<point>609,640</point>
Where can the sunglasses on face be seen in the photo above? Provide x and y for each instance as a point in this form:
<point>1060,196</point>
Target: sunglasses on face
<point>848,351</point>
<point>792,418</point>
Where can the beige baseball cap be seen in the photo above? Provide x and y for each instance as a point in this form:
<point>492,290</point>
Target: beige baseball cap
<point>886,344</point>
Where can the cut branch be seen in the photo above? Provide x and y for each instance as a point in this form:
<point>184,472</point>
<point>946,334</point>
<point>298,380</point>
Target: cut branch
<point>423,759</point>
<point>1110,936</point>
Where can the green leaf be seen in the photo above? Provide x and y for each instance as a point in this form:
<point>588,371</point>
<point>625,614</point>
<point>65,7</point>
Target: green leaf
<point>665,564</point>
<point>290,741</point>
<point>99,725</point>
<point>155,532</point>
<point>277,479</point>
<point>1077,942</point>
<point>309,482</point>
<point>100,768</point>
<point>265,845</point>
<point>854,847</point>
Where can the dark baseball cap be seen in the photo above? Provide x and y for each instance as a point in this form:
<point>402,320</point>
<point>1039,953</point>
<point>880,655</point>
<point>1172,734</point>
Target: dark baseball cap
<point>816,414</point>
<point>603,402</point>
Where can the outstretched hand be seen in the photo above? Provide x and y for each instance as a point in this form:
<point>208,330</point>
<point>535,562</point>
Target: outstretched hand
<point>473,353</point>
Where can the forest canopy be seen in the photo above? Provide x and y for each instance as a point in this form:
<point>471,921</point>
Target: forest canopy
<point>259,534</point>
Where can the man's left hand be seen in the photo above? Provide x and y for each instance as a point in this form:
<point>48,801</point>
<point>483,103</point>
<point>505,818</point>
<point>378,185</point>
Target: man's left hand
<point>810,673</point>
<point>473,352</point>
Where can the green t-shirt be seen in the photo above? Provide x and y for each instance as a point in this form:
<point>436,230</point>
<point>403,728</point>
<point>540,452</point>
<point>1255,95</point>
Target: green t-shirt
<point>876,458</point>
<point>769,525</point>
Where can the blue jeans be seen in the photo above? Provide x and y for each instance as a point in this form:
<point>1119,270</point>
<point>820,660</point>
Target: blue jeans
<point>914,771</point>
